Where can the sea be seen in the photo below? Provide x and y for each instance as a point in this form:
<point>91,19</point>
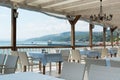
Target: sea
<point>36,43</point>
<point>42,43</point>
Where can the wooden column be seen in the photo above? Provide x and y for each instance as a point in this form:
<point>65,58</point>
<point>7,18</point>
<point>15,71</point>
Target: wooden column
<point>13,29</point>
<point>111,38</point>
<point>111,31</point>
<point>73,22</point>
<point>117,39</point>
<point>90,35</point>
<point>104,37</point>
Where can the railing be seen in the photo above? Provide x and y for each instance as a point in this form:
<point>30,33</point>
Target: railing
<point>7,49</point>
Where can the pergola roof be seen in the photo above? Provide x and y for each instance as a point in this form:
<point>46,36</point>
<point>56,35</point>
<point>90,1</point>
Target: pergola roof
<point>61,8</point>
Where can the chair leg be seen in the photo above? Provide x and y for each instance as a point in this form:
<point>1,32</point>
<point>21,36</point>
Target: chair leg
<point>50,67</point>
<point>24,67</point>
<point>32,68</point>
<point>28,68</point>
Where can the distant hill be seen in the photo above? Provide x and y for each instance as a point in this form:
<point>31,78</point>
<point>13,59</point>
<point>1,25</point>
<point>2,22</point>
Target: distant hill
<point>66,36</point>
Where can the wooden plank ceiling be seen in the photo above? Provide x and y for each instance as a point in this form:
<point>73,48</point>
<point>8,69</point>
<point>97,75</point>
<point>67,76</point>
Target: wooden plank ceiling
<point>61,8</point>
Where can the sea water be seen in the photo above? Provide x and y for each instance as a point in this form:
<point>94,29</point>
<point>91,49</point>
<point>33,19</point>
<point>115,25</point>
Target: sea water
<point>35,43</point>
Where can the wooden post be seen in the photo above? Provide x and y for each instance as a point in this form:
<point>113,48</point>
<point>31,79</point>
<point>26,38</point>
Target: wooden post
<point>40,65</point>
<point>13,29</point>
<point>111,31</point>
<point>24,68</point>
<point>44,69</point>
<point>90,34</point>
<point>104,37</point>
<point>59,70</point>
<point>117,39</point>
<point>73,36</point>
<point>73,22</point>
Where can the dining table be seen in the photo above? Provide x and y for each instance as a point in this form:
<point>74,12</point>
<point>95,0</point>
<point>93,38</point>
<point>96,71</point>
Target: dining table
<point>111,58</point>
<point>45,58</point>
<point>27,76</point>
<point>91,53</point>
<point>113,51</point>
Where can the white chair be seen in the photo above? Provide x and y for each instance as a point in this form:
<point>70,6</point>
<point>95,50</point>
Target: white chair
<point>115,63</point>
<point>2,59</point>
<point>52,51</point>
<point>118,53</point>
<point>15,53</point>
<point>10,64</point>
<point>104,53</point>
<point>73,71</point>
<point>98,49</point>
<point>104,73</point>
<point>65,54</point>
<point>90,61</point>
<point>26,61</point>
<point>75,56</point>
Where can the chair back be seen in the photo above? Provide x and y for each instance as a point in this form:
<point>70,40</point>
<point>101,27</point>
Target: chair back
<point>103,73</point>
<point>75,55</point>
<point>2,59</point>
<point>90,61</point>
<point>73,71</point>
<point>98,49</point>
<point>115,63</point>
<point>23,58</point>
<point>65,54</point>
<point>14,53</point>
<point>104,53</point>
<point>10,64</point>
<point>118,53</point>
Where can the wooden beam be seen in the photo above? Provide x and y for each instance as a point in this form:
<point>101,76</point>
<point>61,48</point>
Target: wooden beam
<point>73,36</point>
<point>13,29</point>
<point>111,37</point>
<point>90,35</point>
<point>73,22</point>
<point>104,37</point>
<point>112,30</point>
<point>117,39</point>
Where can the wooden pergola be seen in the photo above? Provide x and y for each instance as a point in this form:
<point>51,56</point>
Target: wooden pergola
<point>64,9</point>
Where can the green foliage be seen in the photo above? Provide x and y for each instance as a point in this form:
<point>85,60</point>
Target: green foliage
<point>79,36</point>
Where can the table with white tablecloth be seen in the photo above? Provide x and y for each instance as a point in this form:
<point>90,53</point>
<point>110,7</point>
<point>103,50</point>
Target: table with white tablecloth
<point>91,53</point>
<point>45,58</point>
<point>113,51</point>
<point>113,58</point>
<point>27,76</point>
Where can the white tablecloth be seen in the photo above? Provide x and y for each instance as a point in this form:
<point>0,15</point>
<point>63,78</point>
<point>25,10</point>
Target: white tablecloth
<point>27,76</point>
<point>108,60</point>
<point>46,58</point>
<point>113,50</point>
<point>90,53</point>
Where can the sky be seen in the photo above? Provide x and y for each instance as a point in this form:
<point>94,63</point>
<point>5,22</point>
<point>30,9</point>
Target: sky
<point>32,24</point>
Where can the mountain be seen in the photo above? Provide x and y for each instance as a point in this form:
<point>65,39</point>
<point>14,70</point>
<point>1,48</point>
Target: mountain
<point>66,36</point>
<point>79,36</point>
